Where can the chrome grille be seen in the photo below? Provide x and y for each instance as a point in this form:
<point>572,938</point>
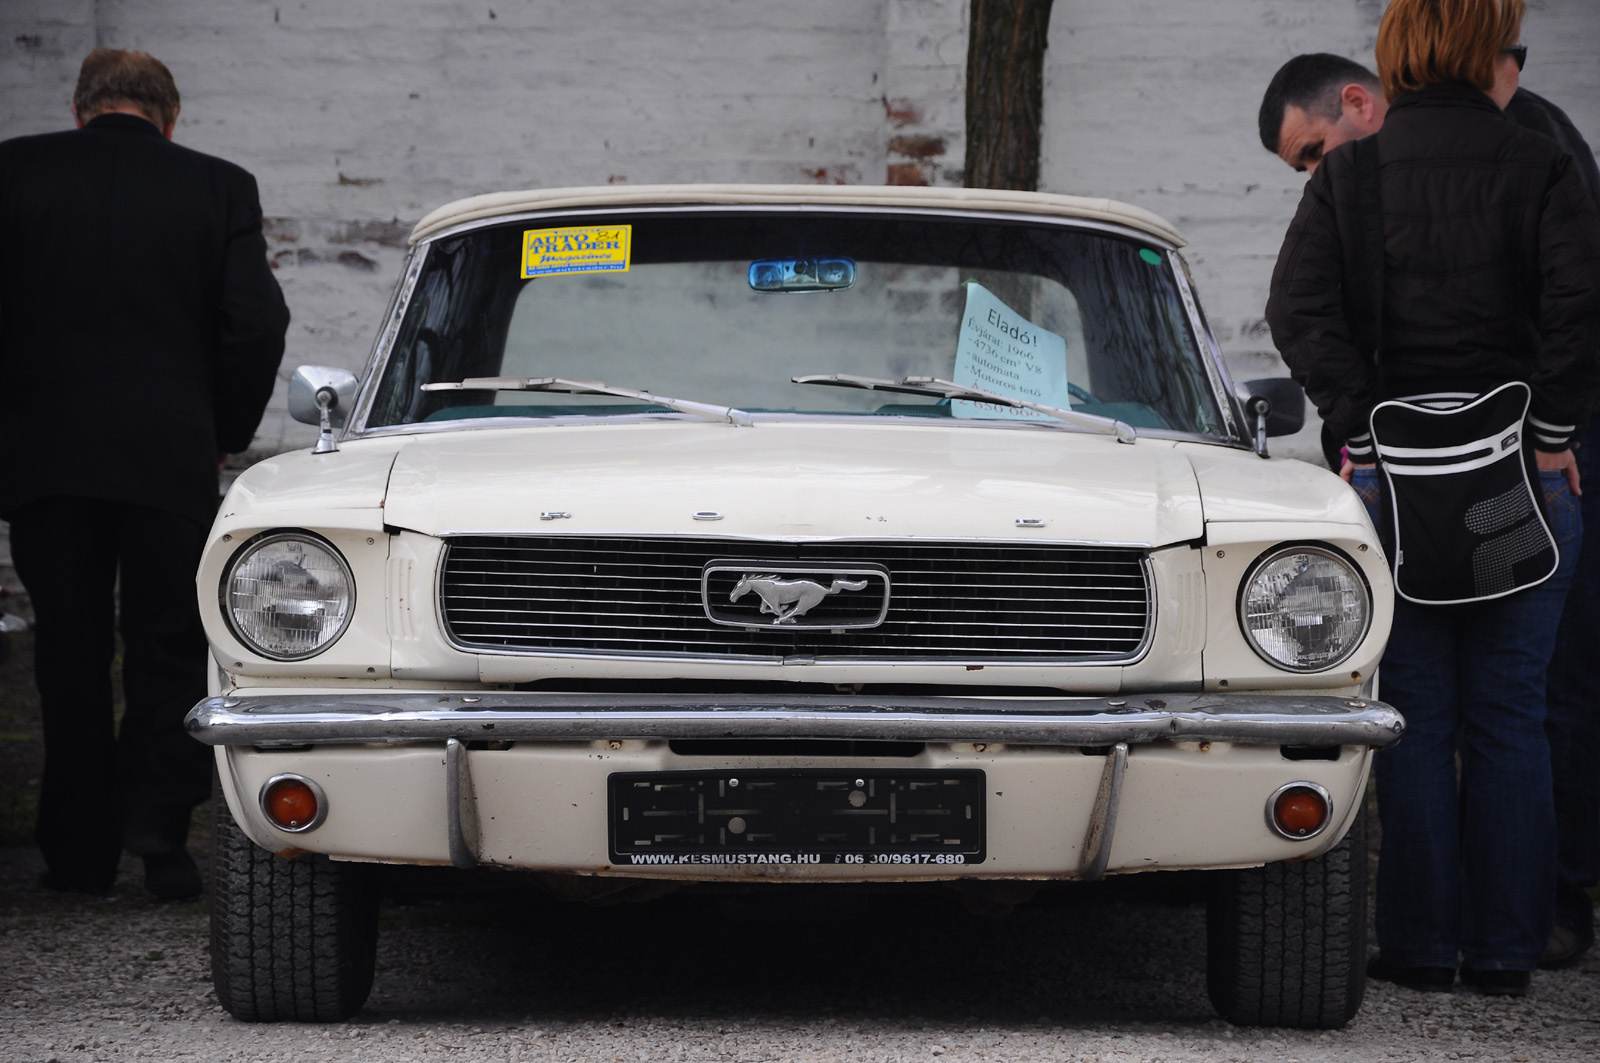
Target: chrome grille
<point>950,601</point>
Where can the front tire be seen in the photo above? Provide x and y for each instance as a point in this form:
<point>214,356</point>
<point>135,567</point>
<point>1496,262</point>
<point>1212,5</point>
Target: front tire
<point>291,939</point>
<point>1286,943</point>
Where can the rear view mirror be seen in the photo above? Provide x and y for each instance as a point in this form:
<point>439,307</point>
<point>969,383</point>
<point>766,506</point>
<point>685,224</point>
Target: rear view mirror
<point>802,274</point>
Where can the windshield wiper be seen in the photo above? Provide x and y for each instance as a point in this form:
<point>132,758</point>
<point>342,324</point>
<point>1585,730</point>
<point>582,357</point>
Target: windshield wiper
<point>704,410</point>
<point>929,385</point>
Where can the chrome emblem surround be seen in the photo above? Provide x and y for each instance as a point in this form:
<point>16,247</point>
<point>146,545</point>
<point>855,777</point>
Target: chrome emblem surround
<point>786,592</point>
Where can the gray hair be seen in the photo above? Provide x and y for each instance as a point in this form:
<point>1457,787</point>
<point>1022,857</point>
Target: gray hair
<point>113,78</point>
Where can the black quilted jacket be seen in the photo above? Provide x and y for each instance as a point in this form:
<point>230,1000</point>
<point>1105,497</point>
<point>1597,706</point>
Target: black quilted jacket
<point>1491,270</point>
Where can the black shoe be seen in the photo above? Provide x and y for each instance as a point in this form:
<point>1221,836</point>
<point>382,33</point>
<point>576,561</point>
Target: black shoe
<point>1421,979</point>
<point>172,876</point>
<point>1495,983</point>
<point>1566,946</point>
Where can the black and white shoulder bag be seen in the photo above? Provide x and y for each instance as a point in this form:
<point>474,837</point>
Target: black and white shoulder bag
<point>1465,521</point>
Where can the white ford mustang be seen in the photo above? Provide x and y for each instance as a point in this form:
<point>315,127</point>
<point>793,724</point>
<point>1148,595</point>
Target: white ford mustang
<point>762,534</point>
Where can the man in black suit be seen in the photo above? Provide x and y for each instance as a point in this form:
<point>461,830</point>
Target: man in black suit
<point>140,334</point>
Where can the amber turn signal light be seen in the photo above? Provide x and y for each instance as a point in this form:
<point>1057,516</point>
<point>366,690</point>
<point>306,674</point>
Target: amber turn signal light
<point>1299,811</point>
<point>293,803</point>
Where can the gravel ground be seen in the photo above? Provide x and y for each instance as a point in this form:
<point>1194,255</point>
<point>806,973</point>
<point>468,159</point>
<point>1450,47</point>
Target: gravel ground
<point>1102,973</point>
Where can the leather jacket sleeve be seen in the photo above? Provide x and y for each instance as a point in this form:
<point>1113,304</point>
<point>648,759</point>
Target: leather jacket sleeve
<point>1308,313</point>
<point>1566,376</point>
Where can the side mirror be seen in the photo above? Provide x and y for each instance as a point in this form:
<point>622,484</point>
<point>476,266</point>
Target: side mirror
<point>1277,405</point>
<point>308,380</point>
<point>322,395</point>
<point>1288,404</point>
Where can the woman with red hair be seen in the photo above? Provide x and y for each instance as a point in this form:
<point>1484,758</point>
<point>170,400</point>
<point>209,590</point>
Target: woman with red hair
<point>1487,250</point>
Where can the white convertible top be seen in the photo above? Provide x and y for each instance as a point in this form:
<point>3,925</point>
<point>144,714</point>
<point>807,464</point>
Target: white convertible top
<point>497,204</point>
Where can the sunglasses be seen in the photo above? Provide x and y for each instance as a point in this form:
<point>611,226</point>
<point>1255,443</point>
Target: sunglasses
<point>1519,52</point>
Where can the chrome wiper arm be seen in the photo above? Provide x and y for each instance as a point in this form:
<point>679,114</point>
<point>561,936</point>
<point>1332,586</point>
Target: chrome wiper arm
<point>949,389</point>
<point>704,410</point>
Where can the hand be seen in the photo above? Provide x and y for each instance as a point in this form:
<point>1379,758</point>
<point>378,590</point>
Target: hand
<point>1349,468</point>
<point>1563,460</point>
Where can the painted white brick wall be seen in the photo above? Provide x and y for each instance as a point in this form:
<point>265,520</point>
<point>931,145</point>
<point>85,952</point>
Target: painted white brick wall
<point>358,116</point>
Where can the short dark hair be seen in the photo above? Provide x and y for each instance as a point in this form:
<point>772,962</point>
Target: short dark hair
<point>114,78</point>
<point>1312,83</point>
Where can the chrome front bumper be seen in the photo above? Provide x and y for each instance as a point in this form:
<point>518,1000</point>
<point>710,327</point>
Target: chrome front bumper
<point>518,779</point>
<point>266,720</point>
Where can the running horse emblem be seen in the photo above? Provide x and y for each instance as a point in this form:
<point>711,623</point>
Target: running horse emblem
<point>789,598</point>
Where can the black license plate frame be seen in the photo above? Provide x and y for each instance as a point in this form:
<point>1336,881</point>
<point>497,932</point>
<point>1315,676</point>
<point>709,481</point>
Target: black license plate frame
<point>797,816</point>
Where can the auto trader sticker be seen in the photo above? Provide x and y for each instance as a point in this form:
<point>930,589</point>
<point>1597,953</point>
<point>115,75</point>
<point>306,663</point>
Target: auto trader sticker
<point>581,249</point>
<point>1000,350</point>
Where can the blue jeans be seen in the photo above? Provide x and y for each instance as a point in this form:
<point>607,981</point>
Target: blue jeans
<point>1467,867</point>
<point>1573,723</point>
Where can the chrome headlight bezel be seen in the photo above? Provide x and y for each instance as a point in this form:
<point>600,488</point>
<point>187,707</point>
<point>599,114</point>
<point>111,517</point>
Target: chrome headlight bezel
<point>340,569</point>
<point>1356,579</point>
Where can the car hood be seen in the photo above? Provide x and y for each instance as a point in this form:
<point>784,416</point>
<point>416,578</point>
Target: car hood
<point>797,480</point>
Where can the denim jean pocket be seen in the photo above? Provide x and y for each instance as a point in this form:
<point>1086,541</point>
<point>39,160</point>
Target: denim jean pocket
<point>1566,523</point>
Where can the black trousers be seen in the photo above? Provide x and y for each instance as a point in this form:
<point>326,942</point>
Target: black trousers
<point>105,787</point>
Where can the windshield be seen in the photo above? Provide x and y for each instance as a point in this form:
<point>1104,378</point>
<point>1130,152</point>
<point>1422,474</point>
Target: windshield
<point>726,307</point>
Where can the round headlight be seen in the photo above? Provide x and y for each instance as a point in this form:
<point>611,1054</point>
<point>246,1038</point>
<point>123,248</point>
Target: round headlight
<point>288,595</point>
<point>1304,608</point>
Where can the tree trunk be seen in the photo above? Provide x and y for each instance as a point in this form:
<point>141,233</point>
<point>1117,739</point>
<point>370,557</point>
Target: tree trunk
<point>1005,92</point>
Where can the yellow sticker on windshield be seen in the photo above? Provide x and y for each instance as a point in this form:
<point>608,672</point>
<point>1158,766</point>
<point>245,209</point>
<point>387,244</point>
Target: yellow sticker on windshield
<point>582,249</point>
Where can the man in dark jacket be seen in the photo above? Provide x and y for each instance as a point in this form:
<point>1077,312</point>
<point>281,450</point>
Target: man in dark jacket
<point>1313,104</point>
<point>140,334</point>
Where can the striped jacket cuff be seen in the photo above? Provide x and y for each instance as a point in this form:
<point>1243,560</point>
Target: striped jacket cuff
<point>1360,448</point>
<point>1547,436</point>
